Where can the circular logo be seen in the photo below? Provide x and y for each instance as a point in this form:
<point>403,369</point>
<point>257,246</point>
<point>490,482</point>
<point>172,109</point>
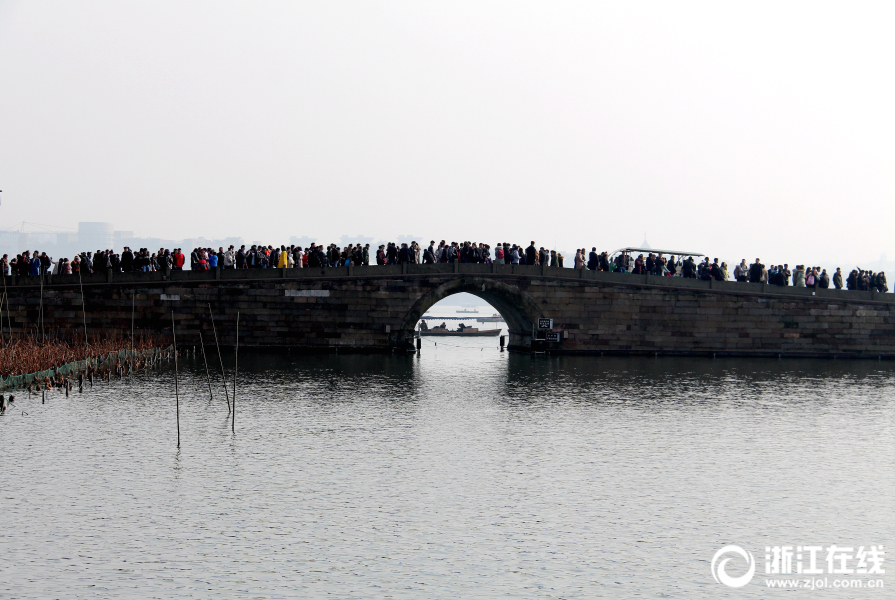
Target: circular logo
<point>721,575</point>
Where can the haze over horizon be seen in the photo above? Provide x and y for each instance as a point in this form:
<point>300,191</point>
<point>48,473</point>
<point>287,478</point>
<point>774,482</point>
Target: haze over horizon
<point>763,129</point>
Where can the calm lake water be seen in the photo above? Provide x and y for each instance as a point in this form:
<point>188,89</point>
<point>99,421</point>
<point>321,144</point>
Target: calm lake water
<point>460,473</point>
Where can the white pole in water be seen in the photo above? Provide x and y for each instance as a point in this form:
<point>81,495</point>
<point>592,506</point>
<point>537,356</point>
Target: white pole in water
<point>176,390</point>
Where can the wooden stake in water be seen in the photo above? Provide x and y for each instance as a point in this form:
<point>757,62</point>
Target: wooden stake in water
<point>2,339</point>
<point>41,313</point>
<point>130,361</point>
<point>176,390</point>
<point>207,375</point>
<point>84,309</point>
<point>8,321</point>
<point>235,369</point>
<point>220,358</point>
<point>3,276</point>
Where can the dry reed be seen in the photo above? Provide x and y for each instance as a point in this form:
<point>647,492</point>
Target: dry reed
<point>30,354</point>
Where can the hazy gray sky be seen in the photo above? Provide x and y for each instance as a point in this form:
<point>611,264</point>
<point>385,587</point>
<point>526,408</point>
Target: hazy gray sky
<point>738,129</point>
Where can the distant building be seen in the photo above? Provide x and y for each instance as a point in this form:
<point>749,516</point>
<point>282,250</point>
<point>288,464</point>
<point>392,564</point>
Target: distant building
<point>95,236</point>
<point>351,240</point>
<point>9,243</point>
<point>406,239</point>
<point>66,239</point>
<point>123,238</point>
<point>304,242</point>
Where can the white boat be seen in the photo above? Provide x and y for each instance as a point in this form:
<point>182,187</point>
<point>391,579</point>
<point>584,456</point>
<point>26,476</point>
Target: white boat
<point>495,318</point>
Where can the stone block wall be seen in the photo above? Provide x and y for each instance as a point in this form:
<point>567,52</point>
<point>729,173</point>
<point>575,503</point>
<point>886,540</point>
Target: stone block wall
<point>376,308</point>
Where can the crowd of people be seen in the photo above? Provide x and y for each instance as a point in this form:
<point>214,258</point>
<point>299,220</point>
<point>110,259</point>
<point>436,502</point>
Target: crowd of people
<point>270,257</point>
<point>801,276</point>
<point>318,256</point>
<point>39,263</point>
<point>466,252</point>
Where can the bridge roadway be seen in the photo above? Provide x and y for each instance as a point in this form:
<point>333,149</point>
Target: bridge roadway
<point>376,308</point>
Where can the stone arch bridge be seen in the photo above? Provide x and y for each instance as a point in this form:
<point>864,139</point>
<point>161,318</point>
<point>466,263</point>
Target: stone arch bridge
<point>376,308</point>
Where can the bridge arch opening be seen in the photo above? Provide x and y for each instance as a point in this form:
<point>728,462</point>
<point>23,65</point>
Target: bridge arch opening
<point>515,306</point>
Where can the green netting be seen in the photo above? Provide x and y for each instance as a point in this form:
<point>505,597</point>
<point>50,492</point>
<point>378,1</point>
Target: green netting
<point>110,360</point>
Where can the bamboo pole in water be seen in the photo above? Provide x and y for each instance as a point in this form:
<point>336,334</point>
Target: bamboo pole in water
<point>84,306</point>
<point>130,361</point>
<point>3,275</point>
<point>2,339</point>
<point>41,313</point>
<point>235,370</point>
<point>207,375</point>
<point>220,358</point>
<point>8,321</point>
<point>176,390</point>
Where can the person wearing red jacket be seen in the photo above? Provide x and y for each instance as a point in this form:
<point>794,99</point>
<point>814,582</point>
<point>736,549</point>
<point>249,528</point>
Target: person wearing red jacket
<point>178,260</point>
